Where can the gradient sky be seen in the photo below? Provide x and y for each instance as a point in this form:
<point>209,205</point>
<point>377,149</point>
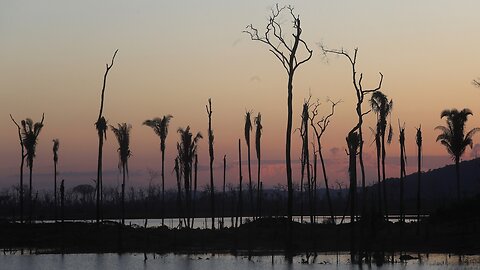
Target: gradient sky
<point>174,55</point>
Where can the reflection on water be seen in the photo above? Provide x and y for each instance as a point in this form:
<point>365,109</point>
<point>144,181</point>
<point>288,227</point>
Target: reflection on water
<point>221,262</point>
<point>203,223</point>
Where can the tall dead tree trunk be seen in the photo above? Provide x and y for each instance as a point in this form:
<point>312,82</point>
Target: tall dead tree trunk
<point>419,175</point>
<point>286,53</point>
<point>223,193</point>
<point>248,128</point>
<point>353,141</point>
<point>360,93</point>
<point>258,136</point>
<point>210,151</point>
<point>22,163</point>
<point>240,202</point>
<point>402,172</point>
<point>319,127</point>
<point>101,126</point>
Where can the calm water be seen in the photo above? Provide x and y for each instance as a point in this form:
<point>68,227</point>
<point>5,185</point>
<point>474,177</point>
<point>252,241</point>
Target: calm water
<point>203,223</point>
<point>219,262</point>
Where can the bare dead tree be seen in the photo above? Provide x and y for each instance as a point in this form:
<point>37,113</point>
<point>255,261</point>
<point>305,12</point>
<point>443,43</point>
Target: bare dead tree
<point>319,128</point>
<point>361,93</point>
<point>210,151</point>
<point>22,163</point>
<point>306,153</point>
<point>101,126</point>
<point>403,174</point>
<point>286,52</point>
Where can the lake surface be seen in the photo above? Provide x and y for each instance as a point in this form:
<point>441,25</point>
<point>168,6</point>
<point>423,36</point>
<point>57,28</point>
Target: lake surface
<point>203,223</point>
<point>220,262</point>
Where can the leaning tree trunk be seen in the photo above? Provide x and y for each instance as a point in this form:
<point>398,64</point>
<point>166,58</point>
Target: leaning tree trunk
<point>327,189</point>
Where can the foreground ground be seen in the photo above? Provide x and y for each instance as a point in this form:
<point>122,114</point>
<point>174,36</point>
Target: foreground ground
<point>455,229</point>
<point>264,235</point>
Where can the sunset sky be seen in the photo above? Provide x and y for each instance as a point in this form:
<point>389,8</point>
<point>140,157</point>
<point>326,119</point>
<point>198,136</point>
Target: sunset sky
<point>174,55</point>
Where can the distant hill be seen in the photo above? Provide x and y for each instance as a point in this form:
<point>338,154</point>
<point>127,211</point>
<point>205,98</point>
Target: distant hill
<point>438,186</point>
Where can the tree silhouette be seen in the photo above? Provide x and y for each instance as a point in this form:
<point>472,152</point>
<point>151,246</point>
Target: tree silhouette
<point>453,137</point>
<point>212,157</point>
<point>360,93</point>
<point>240,200</point>
<point>248,129</point>
<point>30,132</point>
<point>122,133</point>
<point>382,107</point>
<point>418,138</point>
<point>23,155</point>
<point>306,154</point>
<point>403,173</point>
<point>195,168</point>
<point>258,140</point>
<point>101,127</point>
<point>319,128</point>
<point>56,145</point>
<point>160,127</point>
<point>223,193</point>
<point>62,200</point>
<point>286,53</point>
<point>187,148</point>
<point>353,142</point>
<point>176,168</point>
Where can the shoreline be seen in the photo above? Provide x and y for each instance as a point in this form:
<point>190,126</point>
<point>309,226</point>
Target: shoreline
<point>265,236</point>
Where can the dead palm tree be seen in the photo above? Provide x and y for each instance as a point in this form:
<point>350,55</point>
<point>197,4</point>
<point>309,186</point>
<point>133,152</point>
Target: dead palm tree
<point>258,137</point>
<point>419,174</point>
<point>248,128</point>
<point>30,132</point>
<point>23,155</point>
<point>382,107</point>
<point>122,133</point>
<point>160,127</point>
<point>187,148</point>
<point>453,137</point>
<point>101,127</point>
<point>56,145</point>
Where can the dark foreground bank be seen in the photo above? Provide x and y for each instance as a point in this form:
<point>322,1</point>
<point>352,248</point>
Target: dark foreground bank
<point>263,235</point>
